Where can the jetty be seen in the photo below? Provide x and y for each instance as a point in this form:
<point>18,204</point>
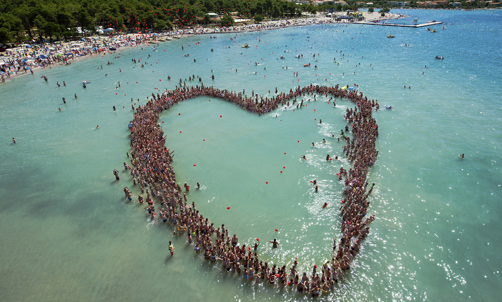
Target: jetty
<point>431,23</point>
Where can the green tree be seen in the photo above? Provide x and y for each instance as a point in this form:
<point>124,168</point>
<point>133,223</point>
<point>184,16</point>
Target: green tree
<point>258,18</point>
<point>39,23</point>
<point>227,21</point>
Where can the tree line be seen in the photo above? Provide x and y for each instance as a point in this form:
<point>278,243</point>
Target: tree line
<point>26,20</point>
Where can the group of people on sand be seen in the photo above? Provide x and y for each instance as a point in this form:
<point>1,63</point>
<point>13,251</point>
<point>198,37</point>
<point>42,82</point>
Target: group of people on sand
<point>151,169</point>
<point>53,54</point>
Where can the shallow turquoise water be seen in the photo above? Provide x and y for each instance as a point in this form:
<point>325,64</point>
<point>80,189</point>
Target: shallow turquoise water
<point>68,233</point>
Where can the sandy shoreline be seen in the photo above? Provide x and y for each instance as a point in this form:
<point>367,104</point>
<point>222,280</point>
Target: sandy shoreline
<point>27,59</point>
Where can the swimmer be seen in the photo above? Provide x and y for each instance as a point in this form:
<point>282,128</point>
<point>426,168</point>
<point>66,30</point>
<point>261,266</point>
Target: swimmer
<point>13,140</point>
<point>171,248</point>
<point>323,140</point>
<point>275,243</point>
<point>313,145</point>
<point>303,156</point>
<point>325,205</point>
<point>64,100</point>
<point>76,97</point>
<point>461,155</point>
<point>198,186</point>
<point>97,127</point>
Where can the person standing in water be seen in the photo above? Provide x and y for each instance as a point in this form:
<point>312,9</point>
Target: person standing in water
<point>275,243</point>
<point>116,173</point>
<point>171,248</point>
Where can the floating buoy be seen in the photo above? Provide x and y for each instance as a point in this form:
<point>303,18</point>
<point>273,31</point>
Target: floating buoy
<point>203,140</point>
<point>266,182</point>
<point>179,113</point>
<point>180,131</point>
<point>284,153</point>
<point>284,167</point>
<point>194,165</point>
<point>220,115</point>
<point>228,208</point>
<point>276,230</point>
<point>281,171</point>
<point>257,239</point>
<point>298,141</point>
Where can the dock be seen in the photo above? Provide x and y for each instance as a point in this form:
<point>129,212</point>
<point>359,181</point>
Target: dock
<point>400,25</point>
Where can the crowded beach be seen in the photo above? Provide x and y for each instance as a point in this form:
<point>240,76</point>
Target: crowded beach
<point>28,58</point>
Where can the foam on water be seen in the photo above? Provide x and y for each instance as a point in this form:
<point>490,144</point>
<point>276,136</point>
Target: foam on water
<point>68,233</point>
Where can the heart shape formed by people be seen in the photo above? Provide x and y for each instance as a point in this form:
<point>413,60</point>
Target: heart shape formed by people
<point>153,170</point>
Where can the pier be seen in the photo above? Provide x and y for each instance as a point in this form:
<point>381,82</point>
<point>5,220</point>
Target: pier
<point>400,25</point>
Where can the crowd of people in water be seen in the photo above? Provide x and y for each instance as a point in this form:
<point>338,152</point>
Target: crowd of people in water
<point>151,170</point>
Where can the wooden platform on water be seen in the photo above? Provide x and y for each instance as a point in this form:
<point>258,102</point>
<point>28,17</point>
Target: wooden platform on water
<point>401,25</point>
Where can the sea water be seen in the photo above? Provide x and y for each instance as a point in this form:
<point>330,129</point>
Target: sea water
<point>68,233</point>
